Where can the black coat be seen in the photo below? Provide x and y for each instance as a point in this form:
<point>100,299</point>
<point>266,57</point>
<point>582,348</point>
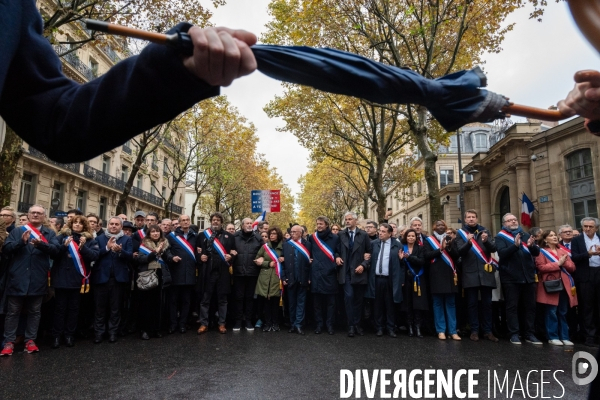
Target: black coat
<point>418,263</point>
<point>581,258</point>
<point>247,247</point>
<point>108,259</point>
<point>473,272</point>
<point>136,238</point>
<point>323,272</point>
<point>215,264</point>
<point>352,259</point>
<point>143,260</point>
<point>183,272</point>
<point>28,267</point>
<point>288,272</point>
<point>396,270</point>
<point>441,276</point>
<point>516,265</point>
<point>64,273</point>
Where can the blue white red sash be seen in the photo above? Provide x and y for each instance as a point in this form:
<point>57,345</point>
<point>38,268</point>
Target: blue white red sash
<point>146,251</point>
<point>271,252</point>
<point>185,244</point>
<point>552,258</point>
<point>433,242</point>
<point>301,248</point>
<point>217,244</point>
<point>475,248</point>
<point>416,276</point>
<point>565,248</point>
<point>34,232</point>
<point>509,237</point>
<point>80,265</point>
<point>323,246</point>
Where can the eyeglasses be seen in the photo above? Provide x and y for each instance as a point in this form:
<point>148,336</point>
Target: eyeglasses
<point>6,215</point>
<point>36,212</point>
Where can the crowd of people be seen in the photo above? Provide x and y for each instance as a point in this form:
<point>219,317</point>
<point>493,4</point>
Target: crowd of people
<point>75,277</point>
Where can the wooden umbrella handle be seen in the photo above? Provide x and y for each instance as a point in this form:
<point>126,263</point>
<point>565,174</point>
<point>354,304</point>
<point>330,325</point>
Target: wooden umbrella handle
<point>532,112</point>
<point>114,29</point>
<point>586,14</point>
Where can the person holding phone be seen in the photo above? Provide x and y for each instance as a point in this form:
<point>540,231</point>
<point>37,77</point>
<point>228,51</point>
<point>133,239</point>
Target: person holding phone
<point>517,251</point>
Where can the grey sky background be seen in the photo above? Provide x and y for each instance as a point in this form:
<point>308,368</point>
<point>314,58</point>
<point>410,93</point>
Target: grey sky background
<point>535,68</point>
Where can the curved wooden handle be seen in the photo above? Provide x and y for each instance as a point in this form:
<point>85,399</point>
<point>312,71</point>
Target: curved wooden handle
<point>114,29</point>
<point>586,14</point>
<point>532,112</point>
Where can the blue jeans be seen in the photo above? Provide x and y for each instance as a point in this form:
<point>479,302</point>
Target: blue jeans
<point>297,301</point>
<point>556,318</point>
<point>444,311</point>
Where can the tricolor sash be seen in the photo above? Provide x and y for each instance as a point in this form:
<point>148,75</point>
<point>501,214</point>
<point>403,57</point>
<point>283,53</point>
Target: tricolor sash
<point>509,237</point>
<point>565,248</point>
<point>146,251</point>
<point>34,232</point>
<point>323,246</point>
<point>433,242</point>
<point>80,265</point>
<point>552,258</point>
<point>218,246</point>
<point>185,244</point>
<point>271,252</point>
<point>301,248</point>
<point>475,248</point>
<point>416,277</point>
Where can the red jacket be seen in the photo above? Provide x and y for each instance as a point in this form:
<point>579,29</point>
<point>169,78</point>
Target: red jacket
<point>549,271</point>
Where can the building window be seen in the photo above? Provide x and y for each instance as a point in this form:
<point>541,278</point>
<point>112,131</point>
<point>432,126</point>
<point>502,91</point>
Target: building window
<point>94,67</point>
<point>164,192</point>
<point>102,208</point>
<point>481,141</point>
<point>579,165</point>
<point>57,198</point>
<point>106,165</point>
<point>446,177</point>
<point>80,201</point>
<point>124,173</point>
<point>166,167</point>
<point>201,222</point>
<point>140,181</point>
<point>419,188</point>
<point>584,208</point>
<point>26,193</point>
<point>152,190</point>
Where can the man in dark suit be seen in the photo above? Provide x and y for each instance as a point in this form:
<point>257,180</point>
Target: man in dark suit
<point>386,278</point>
<point>354,252</point>
<point>295,275</point>
<point>585,252</point>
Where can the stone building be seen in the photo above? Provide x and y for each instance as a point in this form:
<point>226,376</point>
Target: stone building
<point>94,185</point>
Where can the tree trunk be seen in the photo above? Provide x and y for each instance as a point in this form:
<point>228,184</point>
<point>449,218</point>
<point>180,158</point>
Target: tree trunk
<point>365,211</point>
<point>9,159</point>
<point>121,205</point>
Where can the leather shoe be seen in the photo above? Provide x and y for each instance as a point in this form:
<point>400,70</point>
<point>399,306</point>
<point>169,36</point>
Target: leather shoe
<point>112,338</point>
<point>70,341</point>
<point>418,331</point>
<point>490,336</point>
<point>411,333</point>
<point>182,330</point>
<point>202,329</point>
<point>222,329</point>
<point>391,333</point>
<point>318,330</point>
<point>55,343</point>
<point>97,339</point>
<point>351,331</point>
<point>292,329</point>
<point>330,330</point>
<point>379,332</point>
<point>300,331</point>
<point>360,331</point>
<point>145,336</point>
<point>474,337</point>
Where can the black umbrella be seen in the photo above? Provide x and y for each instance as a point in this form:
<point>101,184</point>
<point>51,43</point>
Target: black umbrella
<point>454,100</point>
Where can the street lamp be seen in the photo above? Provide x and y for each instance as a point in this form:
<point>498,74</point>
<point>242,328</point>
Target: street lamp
<point>461,195</point>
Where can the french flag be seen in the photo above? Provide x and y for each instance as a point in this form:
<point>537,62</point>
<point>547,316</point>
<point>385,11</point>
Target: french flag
<point>261,217</point>
<point>526,210</point>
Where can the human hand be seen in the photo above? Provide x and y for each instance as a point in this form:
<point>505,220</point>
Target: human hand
<point>584,98</point>
<point>233,253</point>
<point>220,54</point>
<point>470,237</point>
<point>25,236</point>
<point>367,256</point>
<point>68,240</point>
<point>227,257</point>
<point>359,270</point>
<point>199,250</point>
<point>484,237</point>
<point>281,259</point>
<point>204,258</point>
<point>176,259</point>
<point>259,261</point>
<point>35,242</point>
<point>562,260</point>
<point>339,261</point>
<point>82,240</point>
<point>517,240</point>
<point>530,241</point>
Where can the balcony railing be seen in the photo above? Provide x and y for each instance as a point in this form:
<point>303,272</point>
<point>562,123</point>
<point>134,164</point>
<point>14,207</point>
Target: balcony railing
<point>127,149</point>
<point>149,197</point>
<point>103,178</point>
<point>23,207</point>
<point>176,209</point>
<point>38,154</point>
<point>75,62</point>
<point>111,54</point>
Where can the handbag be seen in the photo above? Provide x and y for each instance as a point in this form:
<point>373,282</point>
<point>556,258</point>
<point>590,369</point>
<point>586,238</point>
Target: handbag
<point>147,280</point>
<point>553,285</point>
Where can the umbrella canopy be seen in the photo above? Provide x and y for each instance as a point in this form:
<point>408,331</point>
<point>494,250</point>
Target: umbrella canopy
<point>454,100</point>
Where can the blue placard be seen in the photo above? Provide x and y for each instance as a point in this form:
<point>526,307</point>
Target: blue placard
<point>60,214</point>
<point>257,204</point>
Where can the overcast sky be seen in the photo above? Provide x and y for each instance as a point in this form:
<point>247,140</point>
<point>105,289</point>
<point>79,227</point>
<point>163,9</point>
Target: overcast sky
<point>535,68</point>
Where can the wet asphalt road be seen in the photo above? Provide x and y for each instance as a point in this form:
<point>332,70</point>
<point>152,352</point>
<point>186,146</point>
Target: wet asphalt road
<point>261,365</point>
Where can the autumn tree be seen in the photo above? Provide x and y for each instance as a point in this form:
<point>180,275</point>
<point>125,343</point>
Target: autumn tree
<point>433,38</point>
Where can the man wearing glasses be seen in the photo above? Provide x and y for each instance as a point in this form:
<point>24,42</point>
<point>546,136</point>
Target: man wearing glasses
<point>565,232</point>
<point>30,248</point>
<point>8,216</point>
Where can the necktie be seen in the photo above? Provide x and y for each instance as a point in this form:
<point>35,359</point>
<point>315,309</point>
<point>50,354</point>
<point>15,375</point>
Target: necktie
<point>381,258</point>
<point>568,246</point>
<point>351,239</point>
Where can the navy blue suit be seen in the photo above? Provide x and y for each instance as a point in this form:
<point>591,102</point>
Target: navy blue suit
<point>323,277</point>
<point>296,273</point>
<point>137,93</point>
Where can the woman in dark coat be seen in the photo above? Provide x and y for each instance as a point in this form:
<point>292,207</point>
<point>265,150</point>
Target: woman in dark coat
<point>443,280</point>
<point>154,254</point>
<point>416,285</point>
<point>67,279</point>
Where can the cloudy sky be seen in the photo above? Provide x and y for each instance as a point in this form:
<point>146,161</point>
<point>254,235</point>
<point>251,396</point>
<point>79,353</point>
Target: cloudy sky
<point>535,68</point>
